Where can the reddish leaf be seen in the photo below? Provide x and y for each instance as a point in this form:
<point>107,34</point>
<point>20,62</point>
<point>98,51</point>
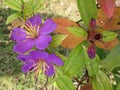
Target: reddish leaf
<point>87,86</point>
<point>71,40</point>
<point>99,30</point>
<point>107,7</point>
<point>63,24</point>
<point>109,24</point>
<point>107,45</point>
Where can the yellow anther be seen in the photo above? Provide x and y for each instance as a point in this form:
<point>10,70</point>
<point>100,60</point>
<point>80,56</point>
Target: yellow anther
<point>31,31</point>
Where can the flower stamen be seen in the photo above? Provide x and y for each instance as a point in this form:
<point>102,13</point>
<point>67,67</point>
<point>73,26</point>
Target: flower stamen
<point>40,67</point>
<point>32,31</point>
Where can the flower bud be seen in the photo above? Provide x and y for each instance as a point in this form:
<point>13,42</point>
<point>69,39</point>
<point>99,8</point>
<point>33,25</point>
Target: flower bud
<point>92,24</point>
<point>91,51</point>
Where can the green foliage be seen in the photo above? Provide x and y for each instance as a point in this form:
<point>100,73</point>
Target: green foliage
<point>24,9</point>
<point>78,31</point>
<point>64,59</point>
<point>118,87</point>
<point>75,62</point>
<point>27,10</point>
<point>64,83</point>
<point>117,79</point>
<point>101,82</point>
<point>91,64</point>
<point>14,4</point>
<point>116,74</point>
<point>13,17</point>
<point>112,60</point>
<point>108,36</point>
<point>57,40</point>
<point>101,53</point>
<point>61,56</point>
<point>87,9</point>
<point>31,7</point>
<point>36,5</point>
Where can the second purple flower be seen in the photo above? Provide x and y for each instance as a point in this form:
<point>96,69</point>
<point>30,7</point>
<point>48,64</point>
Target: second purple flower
<point>40,63</point>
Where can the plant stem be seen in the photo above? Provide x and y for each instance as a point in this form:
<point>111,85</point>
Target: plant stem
<point>85,77</point>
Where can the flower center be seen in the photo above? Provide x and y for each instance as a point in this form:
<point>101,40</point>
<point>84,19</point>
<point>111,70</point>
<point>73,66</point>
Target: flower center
<point>94,36</point>
<point>31,31</point>
<point>40,67</point>
<point>97,36</point>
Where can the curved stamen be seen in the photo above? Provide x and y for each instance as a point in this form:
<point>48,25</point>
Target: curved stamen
<point>40,67</point>
<point>32,31</point>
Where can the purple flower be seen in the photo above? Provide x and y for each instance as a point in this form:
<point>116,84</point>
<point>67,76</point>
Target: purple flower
<point>33,34</point>
<point>40,62</point>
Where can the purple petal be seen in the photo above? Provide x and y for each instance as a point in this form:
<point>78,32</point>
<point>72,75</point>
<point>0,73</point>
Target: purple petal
<point>50,71</point>
<point>18,34</point>
<point>48,27</point>
<point>27,67</point>
<point>38,55</point>
<point>34,21</point>
<point>54,60</point>
<point>42,42</point>
<point>24,58</point>
<point>24,46</point>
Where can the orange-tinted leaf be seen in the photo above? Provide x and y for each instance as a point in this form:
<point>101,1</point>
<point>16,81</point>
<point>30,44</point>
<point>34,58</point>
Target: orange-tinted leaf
<point>109,24</point>
<point>107,45</point>
<point>107,6</point>
<point>87,86</point>
<point>63,24</point>
<point>99,30</point>
<point>72,41</point>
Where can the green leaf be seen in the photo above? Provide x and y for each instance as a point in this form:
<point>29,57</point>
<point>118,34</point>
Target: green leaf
<point>108,36</point>
<point>57,40</point>
<point>91,64</point>
<point>61,56</point>
<point>12,17</point>
<point>32,6</point>
<point>118,87</point>
<point>87,9</point>
<point>77,31</point>
<point>116,70</point>
<point>63,59</point>
<point>64,83</point>
<point>14,4</point>
<point>113,59</point>
<point>117,79</point>
<point>76,61</point>
<point>27,11</point>
<point>101,52</point>
<point>116,74</point>
<point>101,82</point>
<point>36,5</point>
